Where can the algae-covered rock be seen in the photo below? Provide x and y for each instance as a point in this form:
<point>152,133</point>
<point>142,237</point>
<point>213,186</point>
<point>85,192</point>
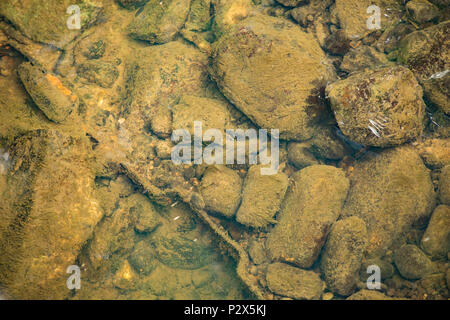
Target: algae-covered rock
<point>132,4</point>
<point>426,52</point>
<point>422,11</point>
<point>261,197</point>
<point>412,263</point>
<point>102,73</point>
<point>181,253</point>
<point>312,204</point>
<point>147,219</point>
<point>444,185</point>
<point>437,90</point>
<point>290,3</point>
<point>199,18</point>
<point>256,66</point>
<point>300,155</point>
<point>381,107</point>
<point>228,13</point>
<point>47,21</point>
<point>257,252</point>
<point>293,282</point>
<point>386,269</point>
<point>125,278</point>
<point>436,239</point>
<point>344,250</point>
<point>159,21</point>
<point>368,295</point>
<point>221,190</point>
<point>44,227</point>
<point>353,15</point>
<point>391,191</point>
<point>363,57</point>
<point>213,114</point>
<point>49,93</point>
<point>143,259</point>
<point>434,152</point>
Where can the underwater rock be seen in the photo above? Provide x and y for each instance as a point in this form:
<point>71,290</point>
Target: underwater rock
<point>160,21</point>
<point>363,57</point>
<point>290,3</point>
<point>412,263</point>
<point>368,295</point>
<point>436,239</point>
<point>159,77</point>
<point>422,11</point>
<point>257,252</point>
<point>132,4</point>
<point>353,17</point>
<point>199,18</point>
<point>337,43</point>
<point>221,190</point>
<point>213,114</point>
<point>437,90</point>
<point>392,192</point>
<point>181,253</point>
<point>125,277</point>
<point>49,93</point>
<point>104,74</point>
<point>444,186</point>
<point>381,107</point>
<point>47,21</point>
<point>261,48</point>
<point>147,219</point>
<point>426,52</point>
<point>143,259</point>
<point>228,13</point>
<point>325,144</point>
<point>293,282</point>
<point>44,227</point>
<point>391,37</point>
<point>300,156</point>
<point>261,197</point>
<point>344,250</point>
<point>312,204</point>
<point>434,152</point>
<point>306,14</point>
<point>386,269</point>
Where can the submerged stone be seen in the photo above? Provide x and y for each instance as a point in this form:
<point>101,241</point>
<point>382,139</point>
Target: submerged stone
<point>221,190</point>
<point>293,282</point>
<point>104,74</point>
<point>436,239</point>
<point>341,259</point>
<point>312,204</point>
<point>160,21</point>
<point>412,263</point>
<point>49,93</point>
<point>392,192</point>
<point>261,197</point>
<point>256,66</point>
<point>381,107</point>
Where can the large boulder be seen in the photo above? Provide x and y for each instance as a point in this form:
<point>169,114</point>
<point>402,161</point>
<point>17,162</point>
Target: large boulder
<point>49,211</point>
<point>392,192</point>
<point>312,204</point>
<point>381,107</point>
<point>257,67</point>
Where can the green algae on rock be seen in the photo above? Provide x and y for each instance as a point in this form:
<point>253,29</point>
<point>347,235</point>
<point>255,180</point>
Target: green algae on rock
<point>261,197</point>
<point>293,282</point>
<point>256,66</point>
<point>343,254</point>
<point>221,190</point>
<point>160,21</point>
<point>49,93</point>
<point>392,192</point>
<point>381,107</point>
<point>312,204</point>
<point>436,239</point>
<point>46,21</point>
<point>412,263</point>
